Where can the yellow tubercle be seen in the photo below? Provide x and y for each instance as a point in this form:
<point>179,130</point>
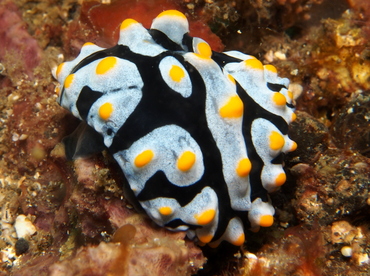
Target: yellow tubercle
<point>57,89</point>
<point>205,217</point>
<point>88,44</point>
<point>144,158</point>
<point>280,179</point>
<point>244,167</point>
<point>204,50</point>
<point>205,238</point>
<point>270,68</point>
<point>279,99</point>
<point>234,108</point>
<point>105,111</point>
<point>266,220</point>
<point>201,244</point>
<point>239,241</point>
<point>186,161</point>
<point>68,81</point>
<point>294,146</point>
<point>277,141</point>
<point>214,244</point>
<point>172,13</point>
<point>294,117</point>
<point>165,210</point>
<point>127,23</point>
<point>231,78</point>
<point>254,64</point>
<point>106,65</point>
<point>176,73</point>
<point>59,69</point>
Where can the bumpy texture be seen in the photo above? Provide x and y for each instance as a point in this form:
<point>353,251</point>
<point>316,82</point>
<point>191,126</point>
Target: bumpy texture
<point>199,135</point>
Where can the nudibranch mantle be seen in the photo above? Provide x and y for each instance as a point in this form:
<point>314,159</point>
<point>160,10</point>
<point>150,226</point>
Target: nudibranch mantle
<point>199,135</point>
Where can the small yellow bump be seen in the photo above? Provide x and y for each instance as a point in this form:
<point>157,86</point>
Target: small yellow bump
<point>239,241</point>
<point>290,94</point>
<point>201,244</point>
<point>144,158</point>
<point>105,65</point>
<point>176,73</point>
<point>127,23</point>
<point>57,90</point>
<point>204,50</point>
<point>270,68</point>
<point>172,13</point>
<point>105,111</point>
<point>165,210</point>
<point>254,63</point>
<point>233,109</point>
<point>214,244</point>
<point>205,217</point>
<point>231,78</point>
<point>186,161</point>
<point>294,146</point>
<point>59,69</point>
<point>205,238</point>
<point>277,141</point>
<point>279,99</point>
<point>88,44</point>
<point>244,167</point>
<point>69,80</point>
<point>280,179</point>
<point>266,220</point>
<point>294,117</point>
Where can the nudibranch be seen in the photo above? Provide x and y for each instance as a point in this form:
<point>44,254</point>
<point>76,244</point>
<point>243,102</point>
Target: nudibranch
<point>199,135</point>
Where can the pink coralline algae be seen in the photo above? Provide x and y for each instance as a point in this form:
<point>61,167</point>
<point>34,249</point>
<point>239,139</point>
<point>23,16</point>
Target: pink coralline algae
<point>15,40</point>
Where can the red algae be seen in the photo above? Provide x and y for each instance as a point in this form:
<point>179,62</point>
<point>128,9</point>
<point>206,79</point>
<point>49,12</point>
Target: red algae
<point>93,26</point>
<point>95,13</point>
<point>14,38</point>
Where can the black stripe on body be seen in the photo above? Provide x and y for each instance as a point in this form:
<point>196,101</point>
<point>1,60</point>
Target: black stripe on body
<point>222,59</point>
<point>187,41</point>
<point>163,40</point>
<point>275,86</point>
<point>86,99</point>
<point>178,222</point>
